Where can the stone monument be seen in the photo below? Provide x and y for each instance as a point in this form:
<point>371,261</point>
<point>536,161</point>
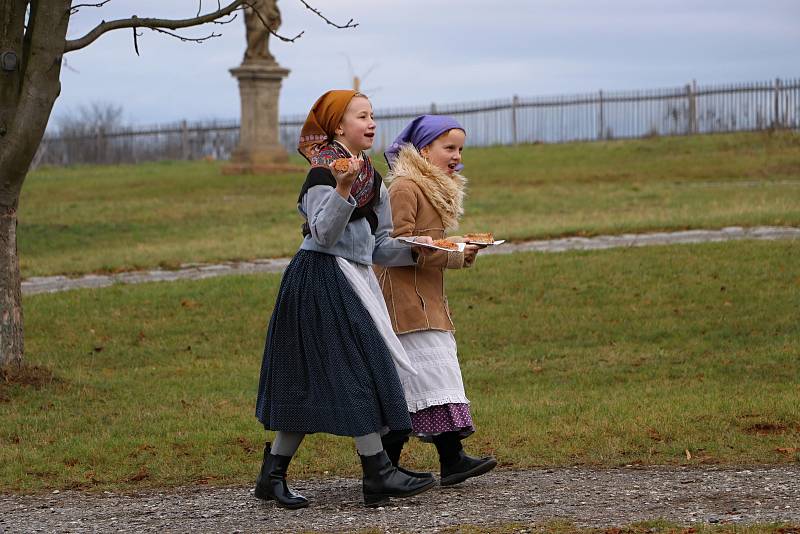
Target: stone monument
<point>259,149</point>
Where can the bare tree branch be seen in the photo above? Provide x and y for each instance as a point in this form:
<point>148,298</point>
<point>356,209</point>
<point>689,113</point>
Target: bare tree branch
<point>68,66</point>
<point>221,22</point>
<point>135,41</point>
<point>349,23</point>
<point>136,22</point>
<point>188,39</point>
<point>75,9</point>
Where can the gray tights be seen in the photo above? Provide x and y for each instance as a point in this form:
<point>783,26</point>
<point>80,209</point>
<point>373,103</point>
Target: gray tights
<point>286,443</point>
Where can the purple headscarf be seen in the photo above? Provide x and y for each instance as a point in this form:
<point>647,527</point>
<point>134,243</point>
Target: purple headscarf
<point>421,132</point>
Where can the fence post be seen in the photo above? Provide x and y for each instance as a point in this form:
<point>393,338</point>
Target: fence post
<point>601,119</point>
<point>776,120</point>
<point>514,105</point>
<point>99,146</point>
<point>691,109</point>
<point>433,108</point>
<point>184,140</point>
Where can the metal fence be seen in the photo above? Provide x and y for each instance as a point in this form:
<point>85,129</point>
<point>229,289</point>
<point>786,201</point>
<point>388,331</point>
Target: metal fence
<point>691,109</point>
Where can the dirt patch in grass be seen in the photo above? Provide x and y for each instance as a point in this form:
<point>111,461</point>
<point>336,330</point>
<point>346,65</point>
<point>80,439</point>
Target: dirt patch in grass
<point>784,168</point>
<point>765,429</point>
<point>28,376</point>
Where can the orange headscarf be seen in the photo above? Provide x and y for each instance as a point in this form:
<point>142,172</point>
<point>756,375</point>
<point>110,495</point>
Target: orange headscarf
<point>323,119</point>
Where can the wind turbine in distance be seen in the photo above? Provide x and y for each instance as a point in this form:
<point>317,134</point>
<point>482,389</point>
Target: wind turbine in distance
<point>357,80</point>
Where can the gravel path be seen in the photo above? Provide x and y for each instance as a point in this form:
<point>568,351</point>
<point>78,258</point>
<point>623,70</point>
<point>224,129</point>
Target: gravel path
<point>51,284</point>
<point>588,497</point>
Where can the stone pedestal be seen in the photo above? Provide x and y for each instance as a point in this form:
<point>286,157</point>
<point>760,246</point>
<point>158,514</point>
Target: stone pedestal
<point>259,149</point>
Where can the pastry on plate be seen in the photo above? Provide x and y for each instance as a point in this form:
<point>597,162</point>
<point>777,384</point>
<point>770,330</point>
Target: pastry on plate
<point>480,237</point>
<point>444,243</point>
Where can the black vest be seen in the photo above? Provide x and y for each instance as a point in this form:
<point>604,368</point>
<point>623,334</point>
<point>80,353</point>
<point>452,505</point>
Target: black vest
<point>322,176</point>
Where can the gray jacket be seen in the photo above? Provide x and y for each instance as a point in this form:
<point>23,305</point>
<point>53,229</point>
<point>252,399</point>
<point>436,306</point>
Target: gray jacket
<point>328,216</point>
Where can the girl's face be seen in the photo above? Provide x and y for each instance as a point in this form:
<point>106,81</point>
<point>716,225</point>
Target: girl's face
<point>357,129</point>
<point>445,151</point>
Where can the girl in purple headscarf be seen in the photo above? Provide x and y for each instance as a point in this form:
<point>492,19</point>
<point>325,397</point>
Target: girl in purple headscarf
<point>427,192</point>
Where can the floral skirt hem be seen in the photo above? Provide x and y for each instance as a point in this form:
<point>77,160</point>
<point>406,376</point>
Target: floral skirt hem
<point>453,417</point>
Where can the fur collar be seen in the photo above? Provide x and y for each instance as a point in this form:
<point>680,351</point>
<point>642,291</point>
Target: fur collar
<point>444,191</point>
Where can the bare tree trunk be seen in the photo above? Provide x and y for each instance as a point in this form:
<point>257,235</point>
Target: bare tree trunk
<point>27,94</point>
<point>11,325</point>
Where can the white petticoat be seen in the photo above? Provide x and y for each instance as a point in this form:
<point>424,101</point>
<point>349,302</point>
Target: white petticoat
<point>434,355</point>
<point>365,284</point>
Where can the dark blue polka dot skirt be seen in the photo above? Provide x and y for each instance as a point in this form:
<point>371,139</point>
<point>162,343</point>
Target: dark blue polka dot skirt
<point>326,367</point>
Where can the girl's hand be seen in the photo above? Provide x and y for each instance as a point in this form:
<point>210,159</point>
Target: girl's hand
<point>470,253</point>
<point>423,251</point>
<point>344,180</point>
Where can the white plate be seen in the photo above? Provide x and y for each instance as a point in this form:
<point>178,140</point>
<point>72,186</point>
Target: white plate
<point>410,241</point>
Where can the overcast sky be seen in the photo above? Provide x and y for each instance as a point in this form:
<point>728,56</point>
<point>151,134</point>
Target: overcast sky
<point>445,51</point>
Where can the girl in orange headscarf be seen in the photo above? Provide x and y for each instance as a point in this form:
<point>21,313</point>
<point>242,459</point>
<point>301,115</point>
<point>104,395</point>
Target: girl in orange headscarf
<point>332,362</point>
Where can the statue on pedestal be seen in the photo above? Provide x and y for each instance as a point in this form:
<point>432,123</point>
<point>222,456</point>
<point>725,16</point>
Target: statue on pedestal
<point>259,149</point>
<point>260,17</point>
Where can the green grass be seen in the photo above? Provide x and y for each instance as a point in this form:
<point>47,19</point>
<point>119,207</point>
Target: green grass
<point>95,219</point>
<point>607,358</point>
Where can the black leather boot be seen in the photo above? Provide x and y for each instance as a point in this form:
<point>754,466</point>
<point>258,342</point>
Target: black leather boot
<point>456,465</point>
<point>271,482</point>
<point>382,480</point>
<point>393,451</point>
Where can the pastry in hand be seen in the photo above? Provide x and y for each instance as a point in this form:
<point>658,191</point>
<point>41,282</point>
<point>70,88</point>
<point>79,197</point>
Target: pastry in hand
<point>480,237</point>
<point>341,164</point>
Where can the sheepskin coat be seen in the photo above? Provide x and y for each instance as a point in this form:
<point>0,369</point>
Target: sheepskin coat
<point>425,201</point>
